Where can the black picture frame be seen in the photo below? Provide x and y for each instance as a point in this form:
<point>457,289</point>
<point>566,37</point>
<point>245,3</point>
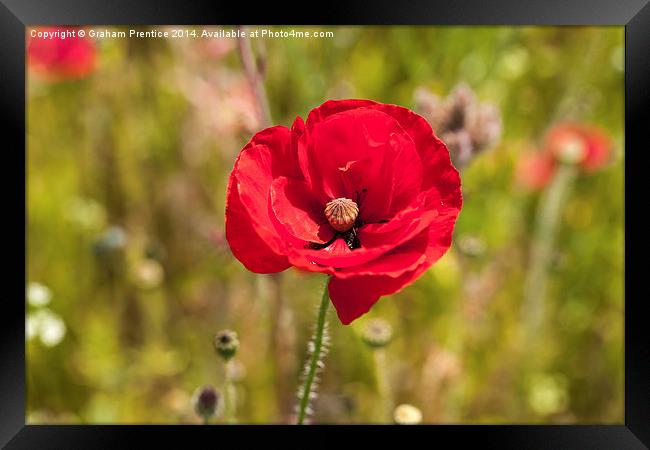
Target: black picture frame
<point>15,15</point>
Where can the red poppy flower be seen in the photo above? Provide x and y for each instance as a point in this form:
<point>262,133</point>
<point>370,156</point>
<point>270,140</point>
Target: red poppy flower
<point>535,170</point>
<point>61,58</point>
<point>585,145</point>
<point>362,191</point>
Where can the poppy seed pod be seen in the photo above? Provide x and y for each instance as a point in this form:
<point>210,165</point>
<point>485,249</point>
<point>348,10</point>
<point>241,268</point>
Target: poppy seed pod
<point>341,213</point>
<point>377,333</point>
<point>226,344</point>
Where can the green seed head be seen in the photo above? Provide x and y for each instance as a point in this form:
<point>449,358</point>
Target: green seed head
<point>226,344</point>
<point>377,333</point>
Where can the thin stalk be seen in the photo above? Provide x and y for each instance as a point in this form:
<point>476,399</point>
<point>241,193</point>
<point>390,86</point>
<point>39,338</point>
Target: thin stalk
<point>255,79</point>
<point>542,249</point>
<point>282,333</point>
<point>383,387</point>
<point>316,348</point>
<point>230,397</point>
<point>283,342</point>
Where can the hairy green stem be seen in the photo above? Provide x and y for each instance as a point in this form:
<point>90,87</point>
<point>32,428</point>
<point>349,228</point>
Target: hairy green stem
<point>316,349</point>
<point>542,249</point>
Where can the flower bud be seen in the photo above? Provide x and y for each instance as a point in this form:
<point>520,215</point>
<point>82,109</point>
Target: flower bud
<point>377,333</point>
<point>407,415</point>
<point>226,344</point>
<point>205,401</point>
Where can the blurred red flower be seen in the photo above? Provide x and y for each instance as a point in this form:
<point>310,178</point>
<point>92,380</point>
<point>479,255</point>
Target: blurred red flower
<point>362,191</point>
<point>61,58</point>
<point>534,170</point>
<point>585,145</point>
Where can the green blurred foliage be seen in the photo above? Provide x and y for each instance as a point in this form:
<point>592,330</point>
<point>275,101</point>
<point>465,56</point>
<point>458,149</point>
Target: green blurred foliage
<point>126,179</point>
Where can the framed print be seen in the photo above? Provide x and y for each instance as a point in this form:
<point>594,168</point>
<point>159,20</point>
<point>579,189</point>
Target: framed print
<point>236,221</point>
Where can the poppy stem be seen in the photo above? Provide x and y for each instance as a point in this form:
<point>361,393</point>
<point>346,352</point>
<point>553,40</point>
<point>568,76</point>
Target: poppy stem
<point>317,347</point>
<point>230,397</point>
<point>383,387</point>
<point>541,252</point>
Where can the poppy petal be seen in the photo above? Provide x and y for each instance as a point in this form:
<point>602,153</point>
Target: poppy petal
<point>253,181</point>
<point>332,107</point>
<point>437,166</point>
<point>245,243</point>
<point>378,239</point>
<point>599,148</point>
<point>279,140</point>
<point>534,170</point>
<point>353,297</point>
<point>395,262</point>
<point>345,154</point>
<point>298,210</point>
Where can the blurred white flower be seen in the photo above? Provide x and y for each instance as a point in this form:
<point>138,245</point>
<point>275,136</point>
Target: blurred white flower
<point>407,415</point>
<point>38,294</point>
<point>48,326</point>
<point>149,273</point>
<point>31,327</point>
<point>52,331</point>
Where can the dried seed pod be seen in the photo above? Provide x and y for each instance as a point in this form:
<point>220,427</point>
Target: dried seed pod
<point>341,213</point>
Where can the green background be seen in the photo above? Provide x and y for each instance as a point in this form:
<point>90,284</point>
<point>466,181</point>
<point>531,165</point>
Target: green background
<point>146,143</point>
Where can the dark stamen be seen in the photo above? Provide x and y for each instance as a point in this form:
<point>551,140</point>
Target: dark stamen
<point>358,193</point>
<point>319,246</point>
<point>350,237</point>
